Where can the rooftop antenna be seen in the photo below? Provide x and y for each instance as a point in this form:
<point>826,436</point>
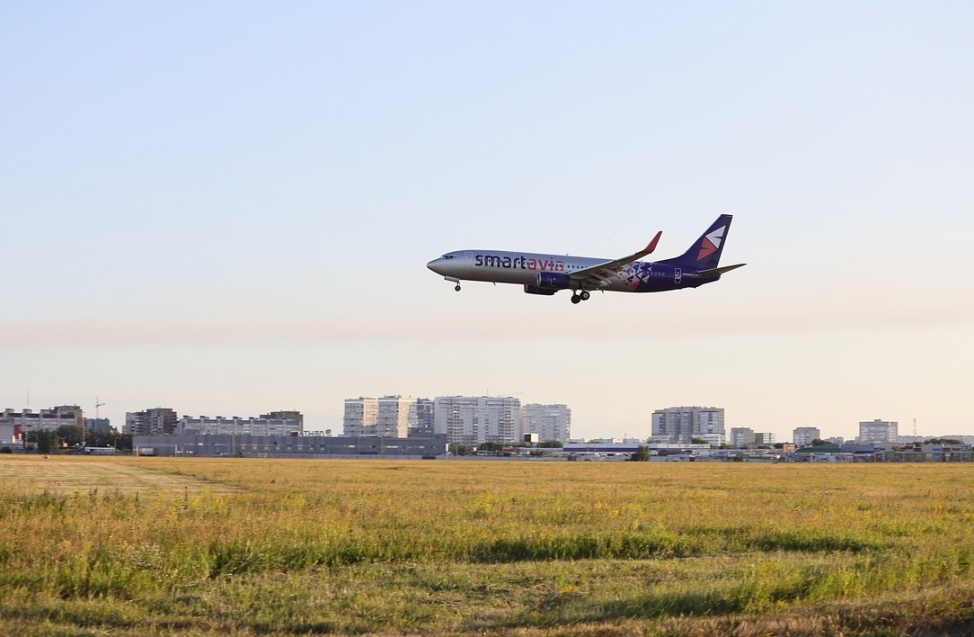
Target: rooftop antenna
<point>97,405</point>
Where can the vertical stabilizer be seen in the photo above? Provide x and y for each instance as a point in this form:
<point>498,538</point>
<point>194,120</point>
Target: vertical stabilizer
<point>704,254</point>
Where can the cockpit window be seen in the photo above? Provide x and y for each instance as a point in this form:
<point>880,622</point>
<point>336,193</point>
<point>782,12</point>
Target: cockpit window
<point>447,256</point>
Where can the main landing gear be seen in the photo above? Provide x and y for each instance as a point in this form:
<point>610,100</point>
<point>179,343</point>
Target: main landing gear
<point>578,297</point>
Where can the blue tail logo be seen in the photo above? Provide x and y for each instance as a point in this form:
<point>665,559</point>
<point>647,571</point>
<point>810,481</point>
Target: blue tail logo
<point>704,254</point>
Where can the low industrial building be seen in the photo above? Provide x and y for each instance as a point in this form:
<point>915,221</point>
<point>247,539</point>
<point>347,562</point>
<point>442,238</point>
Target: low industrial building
<point>251,446</point>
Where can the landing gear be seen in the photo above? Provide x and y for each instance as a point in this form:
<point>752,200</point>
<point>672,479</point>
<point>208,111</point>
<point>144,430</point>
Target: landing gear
<point>453,279</point>
<point>457,288</point>
<point>578,297</point>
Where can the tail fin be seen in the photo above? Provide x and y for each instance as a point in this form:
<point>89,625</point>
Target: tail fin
<point>704,254</point>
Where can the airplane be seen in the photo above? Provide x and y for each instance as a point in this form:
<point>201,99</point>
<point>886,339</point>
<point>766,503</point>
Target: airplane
<point>546,274</point>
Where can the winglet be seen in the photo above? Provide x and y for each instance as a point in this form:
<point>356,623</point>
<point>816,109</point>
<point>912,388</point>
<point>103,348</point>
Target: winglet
<point>652,244</point>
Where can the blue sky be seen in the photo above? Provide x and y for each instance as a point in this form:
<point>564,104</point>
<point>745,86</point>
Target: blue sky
<point>227,208</point>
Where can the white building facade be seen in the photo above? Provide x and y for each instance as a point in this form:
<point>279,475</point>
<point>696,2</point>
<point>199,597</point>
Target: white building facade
<point>469,420</point>
<point>51,419</point>
<point>151,422</point>
<point>395,416</point>
<point>550,422</point>
<point>361,416</point>
<point>682,424</point>
<point>878,431</point>
<point>236,426</point>
<point>803,436</point>
<point>741,437</point>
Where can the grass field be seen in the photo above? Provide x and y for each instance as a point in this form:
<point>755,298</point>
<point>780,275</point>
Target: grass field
<point>136,546</point>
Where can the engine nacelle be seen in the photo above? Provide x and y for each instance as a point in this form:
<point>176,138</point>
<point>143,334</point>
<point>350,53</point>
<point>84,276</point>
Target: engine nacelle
<point>534,289</point>
<point>554,281</point>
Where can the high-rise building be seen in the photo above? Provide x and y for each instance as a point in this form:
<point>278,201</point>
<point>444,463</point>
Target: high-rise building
<point>682,424</point>
<point>424,418</point>
<point>471,420</point>
<point>878,431</point>
<point>741,437</point>
<point>395,416</point>
<point>803,436</point>
<point>151,422</point>
<point>360,416</point>
<point>550,422</point>
<point>764,439</point>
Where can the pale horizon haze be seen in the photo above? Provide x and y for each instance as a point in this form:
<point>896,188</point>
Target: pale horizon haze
<point>227,208</point>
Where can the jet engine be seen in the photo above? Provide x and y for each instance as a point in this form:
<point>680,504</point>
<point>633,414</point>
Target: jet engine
<point>554,281</point>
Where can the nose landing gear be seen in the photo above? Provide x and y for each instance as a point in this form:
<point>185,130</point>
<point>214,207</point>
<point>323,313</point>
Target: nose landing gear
<point>453,279</point>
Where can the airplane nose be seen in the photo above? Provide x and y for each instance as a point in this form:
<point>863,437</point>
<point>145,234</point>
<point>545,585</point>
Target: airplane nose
<point>435,264</point>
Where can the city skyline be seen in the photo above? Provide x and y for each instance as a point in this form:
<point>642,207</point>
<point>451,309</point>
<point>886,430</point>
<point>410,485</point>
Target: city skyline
<point>230,208</point>
<point>691,423</point>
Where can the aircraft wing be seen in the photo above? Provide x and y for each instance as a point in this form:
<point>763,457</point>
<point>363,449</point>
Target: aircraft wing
<point>600,275</point>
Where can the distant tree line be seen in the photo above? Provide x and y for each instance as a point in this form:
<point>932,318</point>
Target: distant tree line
<point>47,441</point>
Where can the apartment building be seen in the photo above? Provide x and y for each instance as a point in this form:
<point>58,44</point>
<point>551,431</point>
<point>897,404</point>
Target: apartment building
<point>361,415</point>
<point>395,416</point>
<point>151,422</point>
<point>470,420</point>
<point>682,424</point>
<point>236,426</point>
<point>803,436</point>
<point>425,409</point>
<point>878,431</point>
<point>741,437</point>
<point>51,419</point>
<point>549,422</point>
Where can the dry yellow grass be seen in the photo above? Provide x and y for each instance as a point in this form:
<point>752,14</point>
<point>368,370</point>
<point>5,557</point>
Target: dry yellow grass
<point>279,547</point>
<point>70,474</point>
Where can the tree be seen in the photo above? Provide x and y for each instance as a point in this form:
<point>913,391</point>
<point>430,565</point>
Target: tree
<point>641,455</point>
<point>551,444</point>
<point>46,441</point>
<point>698,441</point>
<point>818,442</point>
<point>71,435</point>
<point>491,446</point>
<point>943,441</point>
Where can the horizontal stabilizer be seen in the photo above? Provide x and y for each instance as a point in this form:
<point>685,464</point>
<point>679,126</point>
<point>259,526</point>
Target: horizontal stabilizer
<point>719,271</point>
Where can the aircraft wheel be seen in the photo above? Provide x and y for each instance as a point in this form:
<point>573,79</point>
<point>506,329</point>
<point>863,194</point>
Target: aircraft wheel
<point>576,299</point>
<point>457,288</point>
<point>585,295</point>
